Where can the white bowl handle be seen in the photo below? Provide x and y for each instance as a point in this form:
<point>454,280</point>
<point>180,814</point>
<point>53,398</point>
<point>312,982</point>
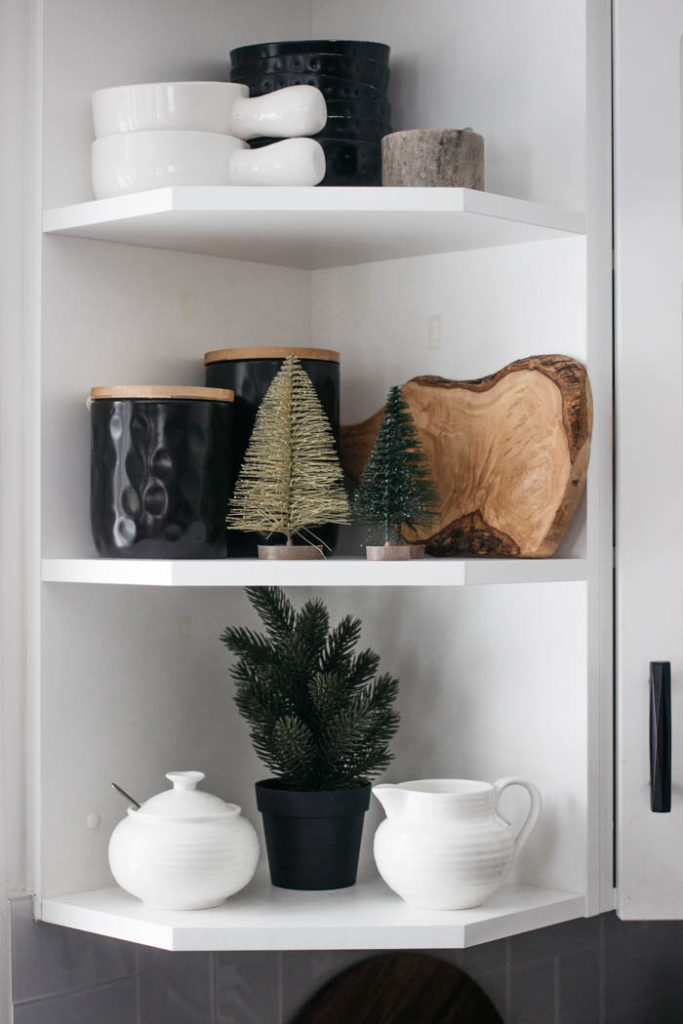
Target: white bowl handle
<point>282,114</point>
<point>290,162</point>
<point>534,807</point>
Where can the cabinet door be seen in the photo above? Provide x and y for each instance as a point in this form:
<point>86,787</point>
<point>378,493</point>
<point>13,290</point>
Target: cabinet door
<point>649,468</point>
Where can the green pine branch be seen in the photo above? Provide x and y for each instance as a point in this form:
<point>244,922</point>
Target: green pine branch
<point>319,716</point>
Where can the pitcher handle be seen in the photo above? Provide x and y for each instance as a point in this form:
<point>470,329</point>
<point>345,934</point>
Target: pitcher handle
<point>534,806</point>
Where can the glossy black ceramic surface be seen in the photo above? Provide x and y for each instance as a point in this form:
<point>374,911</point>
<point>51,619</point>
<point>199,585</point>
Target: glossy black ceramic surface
<point>250,380</point>
<point>357,69</point>
<point>161,476</point>
<point>332,88</point>
<point>349,47</point>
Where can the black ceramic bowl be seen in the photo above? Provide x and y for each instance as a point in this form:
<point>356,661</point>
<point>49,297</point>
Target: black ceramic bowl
<point>348,161</point>
<point>348,47</point>
<point>357,69</point>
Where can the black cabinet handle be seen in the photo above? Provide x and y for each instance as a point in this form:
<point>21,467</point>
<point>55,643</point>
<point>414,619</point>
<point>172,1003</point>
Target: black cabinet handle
<point>660,736</point>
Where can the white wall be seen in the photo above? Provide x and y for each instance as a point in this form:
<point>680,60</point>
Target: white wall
<point>514,72</point>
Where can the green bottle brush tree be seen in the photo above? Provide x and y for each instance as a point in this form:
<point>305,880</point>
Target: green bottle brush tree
<point>396,490</point>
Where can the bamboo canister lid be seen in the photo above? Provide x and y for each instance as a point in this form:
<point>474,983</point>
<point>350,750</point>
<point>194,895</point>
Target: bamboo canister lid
<point>162,391</point>
<point>224,355</point>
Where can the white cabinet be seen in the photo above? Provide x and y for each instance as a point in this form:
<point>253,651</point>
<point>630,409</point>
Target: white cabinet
<point>505,667</point>
<point>649,534</point>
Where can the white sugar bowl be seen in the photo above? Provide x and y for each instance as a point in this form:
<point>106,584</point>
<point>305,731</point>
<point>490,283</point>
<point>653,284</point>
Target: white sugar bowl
<point>183,849</point>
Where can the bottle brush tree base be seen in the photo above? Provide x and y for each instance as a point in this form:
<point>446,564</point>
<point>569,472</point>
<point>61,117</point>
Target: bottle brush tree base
<point>290,551</point>
<point>394,552</point>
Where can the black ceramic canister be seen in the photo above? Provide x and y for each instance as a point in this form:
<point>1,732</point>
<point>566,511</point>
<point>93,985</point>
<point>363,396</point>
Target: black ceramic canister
<point>249,372</point>
<point>161,471</point>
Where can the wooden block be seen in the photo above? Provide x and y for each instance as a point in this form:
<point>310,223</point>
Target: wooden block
<point>508,453</point>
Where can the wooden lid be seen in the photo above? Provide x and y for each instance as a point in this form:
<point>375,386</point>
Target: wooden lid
<point>162,391</point>
<point>224,355</point>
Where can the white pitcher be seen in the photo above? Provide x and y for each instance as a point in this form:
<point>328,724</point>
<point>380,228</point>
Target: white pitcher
<point>444,845</point>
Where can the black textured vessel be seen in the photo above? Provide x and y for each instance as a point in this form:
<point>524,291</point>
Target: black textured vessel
<point>260,83</point>
<point>356,69</point>
<point>161,471</point>
<point>347,161</point>
<point>350,47</point>
<point>248,373</point>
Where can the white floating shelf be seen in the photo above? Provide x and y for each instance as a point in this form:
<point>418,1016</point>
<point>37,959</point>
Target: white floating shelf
<point>314,227</point>
<point>366,916</point>
<point>332,572</point>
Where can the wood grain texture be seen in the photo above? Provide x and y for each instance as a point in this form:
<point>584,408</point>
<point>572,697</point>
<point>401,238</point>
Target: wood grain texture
<point>509,454</point>
<point>224,355</point>
<point>400,988</point>
<point>162,391</point>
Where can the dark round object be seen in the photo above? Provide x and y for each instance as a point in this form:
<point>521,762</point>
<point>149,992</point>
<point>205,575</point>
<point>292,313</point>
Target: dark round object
<point>332,88</point>
<point>249,372</point>
<point>356,69</point>
<point>161,474</point>
<point>312,838</point>
<point>397,988</point>
<point>349,47</point>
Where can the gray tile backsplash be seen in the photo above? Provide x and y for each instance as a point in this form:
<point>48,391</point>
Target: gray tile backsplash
<point>113,1003</point>
<point>48,960</point>
<point>247,987</point>
<point>176,988</point>
<point>595,971</point>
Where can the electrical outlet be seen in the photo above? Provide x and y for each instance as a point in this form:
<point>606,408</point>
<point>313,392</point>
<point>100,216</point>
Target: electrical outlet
<point>434,332</point>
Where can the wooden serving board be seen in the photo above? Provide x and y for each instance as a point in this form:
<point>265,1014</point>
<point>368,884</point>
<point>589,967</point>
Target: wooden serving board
<point>508,453</point>
<point>400,988</point>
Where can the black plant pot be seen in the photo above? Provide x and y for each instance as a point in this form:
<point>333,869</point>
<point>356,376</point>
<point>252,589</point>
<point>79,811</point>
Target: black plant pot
<point>312,838</point>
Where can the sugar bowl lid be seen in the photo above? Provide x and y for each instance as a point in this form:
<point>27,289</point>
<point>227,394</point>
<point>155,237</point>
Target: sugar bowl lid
<point>185,802</point>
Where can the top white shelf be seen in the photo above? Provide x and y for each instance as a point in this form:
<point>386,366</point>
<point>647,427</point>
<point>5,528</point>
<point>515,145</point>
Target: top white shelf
<point>313,228</point>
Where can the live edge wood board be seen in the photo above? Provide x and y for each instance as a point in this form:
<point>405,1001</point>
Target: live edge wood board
<point>509,454</point>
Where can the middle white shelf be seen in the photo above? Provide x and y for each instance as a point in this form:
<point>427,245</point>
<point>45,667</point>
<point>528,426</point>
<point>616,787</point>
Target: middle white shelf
<point>332,572</point>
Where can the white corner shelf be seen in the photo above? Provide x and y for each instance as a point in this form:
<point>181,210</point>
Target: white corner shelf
<point>365,916</point>
<point>313,228</point>
<point>332,572</point>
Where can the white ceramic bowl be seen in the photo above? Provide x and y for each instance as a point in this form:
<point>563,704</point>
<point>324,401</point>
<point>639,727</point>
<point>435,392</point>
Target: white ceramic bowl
<point>137,161</point>
<point>160,106</point>
<point>221,107</point>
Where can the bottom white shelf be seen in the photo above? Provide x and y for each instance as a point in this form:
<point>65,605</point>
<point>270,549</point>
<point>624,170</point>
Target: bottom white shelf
<point>366,916</point>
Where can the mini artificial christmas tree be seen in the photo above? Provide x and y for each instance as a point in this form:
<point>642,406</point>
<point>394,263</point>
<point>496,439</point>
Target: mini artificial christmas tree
<point>396,489</point>
<point>291,480</point>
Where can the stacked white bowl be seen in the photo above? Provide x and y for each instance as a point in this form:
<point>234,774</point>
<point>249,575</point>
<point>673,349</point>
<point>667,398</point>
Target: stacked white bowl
<point>193,133</point>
